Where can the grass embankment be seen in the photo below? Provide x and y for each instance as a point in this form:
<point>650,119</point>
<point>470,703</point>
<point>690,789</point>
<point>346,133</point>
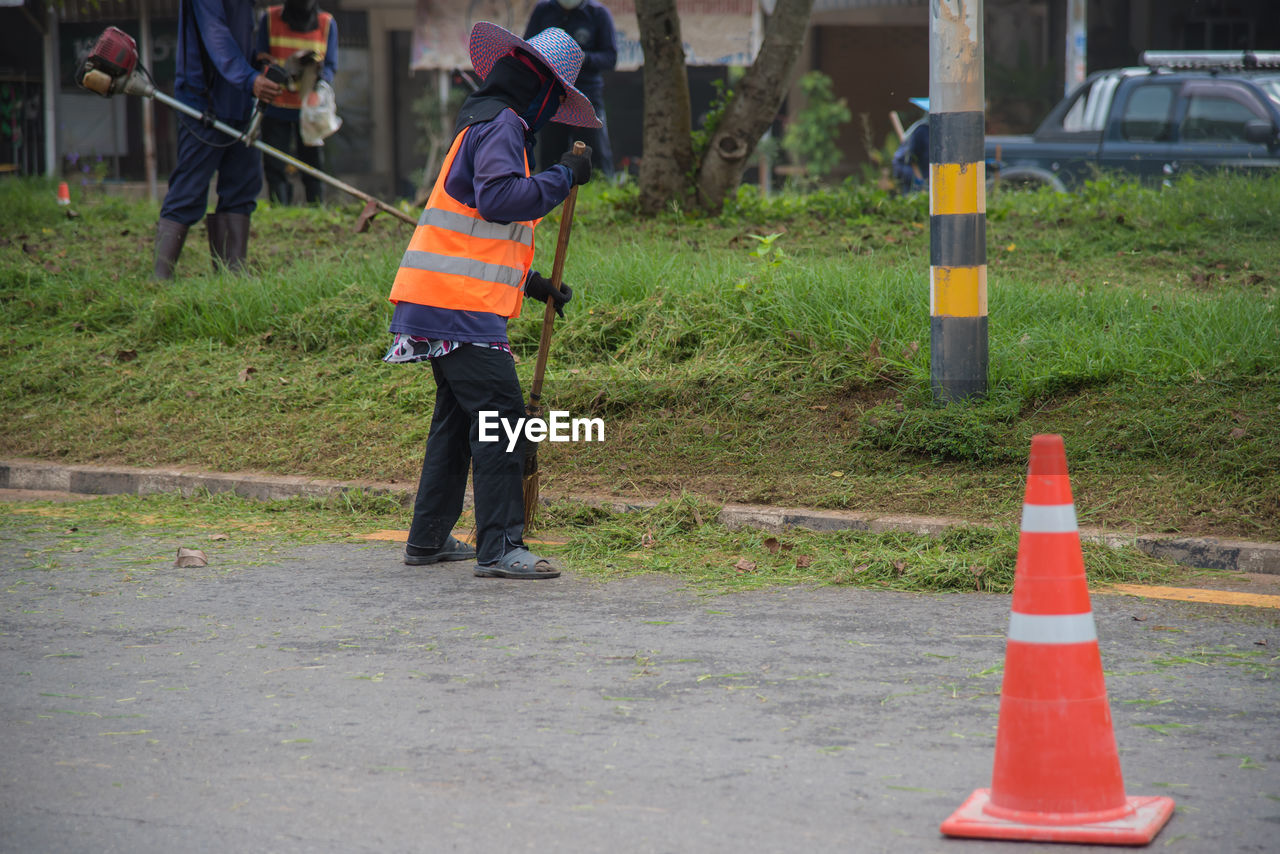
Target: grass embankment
<point>1140,324</point>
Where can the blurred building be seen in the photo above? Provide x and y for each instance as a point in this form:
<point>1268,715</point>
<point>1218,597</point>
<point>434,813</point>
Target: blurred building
<point>389,85</point>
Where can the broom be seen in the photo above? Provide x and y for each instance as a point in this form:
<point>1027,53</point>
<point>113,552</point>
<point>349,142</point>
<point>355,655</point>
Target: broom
<point>534,407</point>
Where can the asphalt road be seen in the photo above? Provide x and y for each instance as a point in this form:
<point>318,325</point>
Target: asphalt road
<point>330,699</point>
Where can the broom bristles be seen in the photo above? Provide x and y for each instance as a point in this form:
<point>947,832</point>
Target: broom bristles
<point>530,485</point>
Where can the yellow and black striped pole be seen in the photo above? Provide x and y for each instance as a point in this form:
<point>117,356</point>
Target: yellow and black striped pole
<point>957,202</point>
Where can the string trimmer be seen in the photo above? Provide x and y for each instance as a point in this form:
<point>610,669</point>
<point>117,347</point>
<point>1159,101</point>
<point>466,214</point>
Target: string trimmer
<point>111,68</point>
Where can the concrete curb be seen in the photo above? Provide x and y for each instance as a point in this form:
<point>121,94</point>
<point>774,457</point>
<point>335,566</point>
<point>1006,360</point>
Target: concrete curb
<point>1201,552</point>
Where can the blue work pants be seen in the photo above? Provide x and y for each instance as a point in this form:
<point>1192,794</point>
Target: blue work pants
<point>202,152</point>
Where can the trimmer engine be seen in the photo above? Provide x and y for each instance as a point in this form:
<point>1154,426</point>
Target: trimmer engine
<point>110,65</point>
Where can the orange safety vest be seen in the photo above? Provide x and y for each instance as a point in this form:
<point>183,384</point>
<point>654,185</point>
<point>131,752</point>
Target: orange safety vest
<point>459,260</point>
<point>284,43</point>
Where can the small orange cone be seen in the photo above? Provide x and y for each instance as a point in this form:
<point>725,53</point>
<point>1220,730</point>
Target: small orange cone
<point>1057,773</point>
<point>64,194</point>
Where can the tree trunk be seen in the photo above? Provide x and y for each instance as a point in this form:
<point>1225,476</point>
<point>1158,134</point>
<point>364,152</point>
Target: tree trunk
<point>754,104</point>
<point>668,141</point>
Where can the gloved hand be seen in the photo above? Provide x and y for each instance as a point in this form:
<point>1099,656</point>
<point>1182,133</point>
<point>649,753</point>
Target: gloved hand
<point>579,165</point>
<point>539,287</point>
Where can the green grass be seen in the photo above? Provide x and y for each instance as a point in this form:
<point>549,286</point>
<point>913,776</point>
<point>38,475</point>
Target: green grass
<point>1140,324</point>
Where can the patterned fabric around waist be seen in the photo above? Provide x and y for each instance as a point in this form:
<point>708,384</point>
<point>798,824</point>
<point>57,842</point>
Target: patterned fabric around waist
<point>406,349</point>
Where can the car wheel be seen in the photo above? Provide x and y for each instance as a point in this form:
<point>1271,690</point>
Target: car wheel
<point>1023,178</point>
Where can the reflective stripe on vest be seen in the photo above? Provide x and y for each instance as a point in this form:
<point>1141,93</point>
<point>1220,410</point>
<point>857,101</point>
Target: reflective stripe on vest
<point>458,260</point>
<point>283,43</point>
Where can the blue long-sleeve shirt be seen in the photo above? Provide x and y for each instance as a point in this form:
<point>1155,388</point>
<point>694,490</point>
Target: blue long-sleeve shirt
<point>215,40</point>
<point>591,26</point>
<point>327,69</point>
<point>488,175</point>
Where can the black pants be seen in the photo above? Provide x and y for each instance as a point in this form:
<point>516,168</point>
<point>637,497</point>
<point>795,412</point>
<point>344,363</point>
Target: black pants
<point>284,134</point>
<point>471,380</point>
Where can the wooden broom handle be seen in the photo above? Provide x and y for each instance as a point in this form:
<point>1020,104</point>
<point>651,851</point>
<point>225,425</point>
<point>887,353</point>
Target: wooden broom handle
<point>557,277</point>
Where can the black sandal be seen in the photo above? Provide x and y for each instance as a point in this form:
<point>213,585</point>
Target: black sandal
<point>452,550</point>
<point>519,563</point>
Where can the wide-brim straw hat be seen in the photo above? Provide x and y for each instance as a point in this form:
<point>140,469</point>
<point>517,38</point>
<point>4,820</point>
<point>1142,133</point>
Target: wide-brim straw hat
<point>554,48</point>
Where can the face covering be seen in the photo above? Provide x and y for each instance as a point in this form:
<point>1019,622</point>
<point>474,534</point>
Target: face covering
<point>301,15</point>
<point>516,82</point>
<point>546,102</point>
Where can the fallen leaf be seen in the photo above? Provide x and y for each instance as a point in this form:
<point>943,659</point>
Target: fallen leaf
<point>899,566</point>
<point>1238,433</point>
<point>821,407</point>
<point>1139,619</point>
<point>771,545</point>
<point>744,565</point>
<point>191,557</point>
<point>1262,642</point>
<point>803,561</point>
<point>218,537</point>
<point>126,355</point>
<point>873,351</point>
<point>837,474</point>
<point>246,373</point>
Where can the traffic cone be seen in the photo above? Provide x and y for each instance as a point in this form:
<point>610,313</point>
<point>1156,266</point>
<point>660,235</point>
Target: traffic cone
<point>64,194</point>
<point>1057,773</point>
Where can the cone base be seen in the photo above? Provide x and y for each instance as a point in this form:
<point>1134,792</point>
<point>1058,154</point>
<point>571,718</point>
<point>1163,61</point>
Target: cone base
<point>1138,828</point>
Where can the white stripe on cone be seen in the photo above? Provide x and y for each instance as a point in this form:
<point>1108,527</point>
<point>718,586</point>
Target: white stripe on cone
<point>1049,519</point>
<point>1052,629</point>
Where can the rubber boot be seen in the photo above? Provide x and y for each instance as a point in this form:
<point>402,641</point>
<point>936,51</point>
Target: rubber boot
<point>235,243</point>
<point>213,224</point>
<point>170,236</point>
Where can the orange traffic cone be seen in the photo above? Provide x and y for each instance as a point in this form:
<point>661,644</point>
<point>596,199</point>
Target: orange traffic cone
<point>64,194</point>
<point>1057,773</point>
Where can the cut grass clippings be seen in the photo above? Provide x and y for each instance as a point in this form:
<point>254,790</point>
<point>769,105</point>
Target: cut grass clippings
<point>678,538</point>
<point>1140,324</point>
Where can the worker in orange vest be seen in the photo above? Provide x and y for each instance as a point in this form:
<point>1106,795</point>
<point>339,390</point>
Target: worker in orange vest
<point>466,271</point>
<point>300,38</point>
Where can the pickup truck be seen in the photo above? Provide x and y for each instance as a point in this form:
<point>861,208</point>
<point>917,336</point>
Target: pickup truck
<point>1182,112</point>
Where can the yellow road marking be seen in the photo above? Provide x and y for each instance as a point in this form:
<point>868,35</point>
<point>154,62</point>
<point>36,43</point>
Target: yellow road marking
<point>401,536</point>
<point>1192,594</point>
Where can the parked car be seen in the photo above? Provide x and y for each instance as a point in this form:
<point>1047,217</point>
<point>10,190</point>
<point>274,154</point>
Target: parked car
<point>1182,112</point>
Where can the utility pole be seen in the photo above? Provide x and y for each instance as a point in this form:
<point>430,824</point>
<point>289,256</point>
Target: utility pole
<point>1077,43</point>
<point>957,202</point>
<point>148,108</point>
